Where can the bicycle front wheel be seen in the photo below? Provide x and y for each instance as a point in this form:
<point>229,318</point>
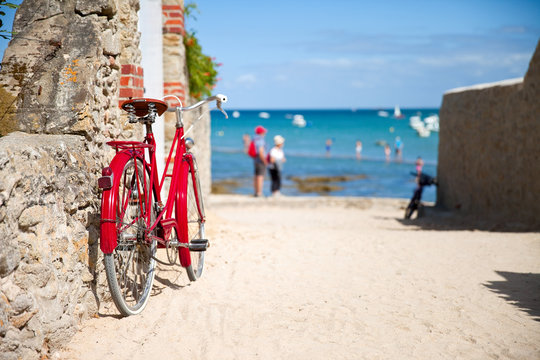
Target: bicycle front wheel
<point>130,267</point>
<point>192,216</point>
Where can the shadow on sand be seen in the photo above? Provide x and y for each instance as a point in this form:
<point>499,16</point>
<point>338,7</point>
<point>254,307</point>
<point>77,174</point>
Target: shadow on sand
<point>521,290</point>
<point>437,219</point>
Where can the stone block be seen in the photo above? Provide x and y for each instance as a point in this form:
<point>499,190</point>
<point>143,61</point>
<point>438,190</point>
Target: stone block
<point>488,149</point>
<point>100,7</point>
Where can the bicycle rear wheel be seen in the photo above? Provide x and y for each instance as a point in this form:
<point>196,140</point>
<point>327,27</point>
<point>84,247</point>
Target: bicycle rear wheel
<point>130,267</point>
<point>192,214</point>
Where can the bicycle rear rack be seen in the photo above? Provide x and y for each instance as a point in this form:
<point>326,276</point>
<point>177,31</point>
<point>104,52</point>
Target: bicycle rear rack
<point>130,145</point>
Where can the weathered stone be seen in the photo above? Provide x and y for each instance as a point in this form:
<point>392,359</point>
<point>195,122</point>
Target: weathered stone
<point>10,290</point>
<point>111,44</point>
<point>21,303</point>
<point>32,216</point>
<point>99,7</point>
<point>4,322</point>
<point>59,85</point>
<point>488,149</point>
<point>19,321</point>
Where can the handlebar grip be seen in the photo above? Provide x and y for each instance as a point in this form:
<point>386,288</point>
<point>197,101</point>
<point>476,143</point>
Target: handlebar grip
<point>221,98</point>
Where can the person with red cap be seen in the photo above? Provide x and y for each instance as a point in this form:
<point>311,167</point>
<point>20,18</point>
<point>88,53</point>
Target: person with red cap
<point>259,161</point>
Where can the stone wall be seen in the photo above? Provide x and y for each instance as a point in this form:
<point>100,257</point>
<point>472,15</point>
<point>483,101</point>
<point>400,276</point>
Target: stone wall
<point>176,83</point>
<point>489,150</point>
<point>58,106</point>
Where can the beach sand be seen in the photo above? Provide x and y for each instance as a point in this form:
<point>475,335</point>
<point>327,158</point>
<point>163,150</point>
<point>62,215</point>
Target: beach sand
<point>335,278</point>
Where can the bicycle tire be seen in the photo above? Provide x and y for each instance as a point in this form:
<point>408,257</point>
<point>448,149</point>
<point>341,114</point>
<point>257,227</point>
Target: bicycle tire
<point>411,208</point>
<point>130,268</point>
<point>408,212</point>
<point>192,218</point>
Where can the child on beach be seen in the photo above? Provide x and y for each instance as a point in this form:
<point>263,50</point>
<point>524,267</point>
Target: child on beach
<point>358,150</point>
<point>276,158</point>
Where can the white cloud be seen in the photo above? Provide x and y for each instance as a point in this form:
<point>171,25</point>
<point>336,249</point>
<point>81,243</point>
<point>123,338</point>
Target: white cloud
<point>359,84</point>
<point>341,63</point>
<point>246,79</point>
<point>347,63</point>
<point>502,60</point>
<point>281,78</point>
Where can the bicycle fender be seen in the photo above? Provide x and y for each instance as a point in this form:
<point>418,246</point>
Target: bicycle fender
<point>108,233</point>
<point>184,255</point>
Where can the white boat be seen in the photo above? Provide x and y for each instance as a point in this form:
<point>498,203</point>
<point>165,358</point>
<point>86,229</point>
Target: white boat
<point>299,121</point>
<point>397,113</point>
<point>423,132</point>
<point>264,115</point>
<point>236,114</point>
<point>432,123</point>
<point>383,113</point>
<point>415,122</point>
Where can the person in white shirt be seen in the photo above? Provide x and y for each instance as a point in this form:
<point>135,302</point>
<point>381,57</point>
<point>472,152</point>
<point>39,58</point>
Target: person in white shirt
<point>276,158</point>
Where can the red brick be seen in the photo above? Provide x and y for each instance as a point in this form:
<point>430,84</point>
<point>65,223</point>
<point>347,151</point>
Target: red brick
<point>126,92</point>
<point>175,14</point>
<point>140,71</point>
<point>138,92</point>
<point>174,30</point>
<point>139,82</point>
<point>173,91</point>
<point>125,80</point>
<point>174,83</point>
<point>174,22</point>
<point>171,7</point>
<point>128,69</point>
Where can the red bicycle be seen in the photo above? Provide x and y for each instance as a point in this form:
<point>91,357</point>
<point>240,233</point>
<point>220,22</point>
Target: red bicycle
<point>135,221</point>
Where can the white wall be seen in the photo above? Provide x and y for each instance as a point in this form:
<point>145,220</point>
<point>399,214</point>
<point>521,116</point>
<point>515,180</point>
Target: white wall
<point>150,24</point>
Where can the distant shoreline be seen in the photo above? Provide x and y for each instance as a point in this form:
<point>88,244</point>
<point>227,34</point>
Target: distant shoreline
<point>291,154</point>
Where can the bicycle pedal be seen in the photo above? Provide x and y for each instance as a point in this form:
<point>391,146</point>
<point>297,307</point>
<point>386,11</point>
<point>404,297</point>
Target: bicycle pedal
<point>199,245</point>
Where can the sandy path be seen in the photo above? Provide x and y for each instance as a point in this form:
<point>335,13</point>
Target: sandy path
<point>334,279</point>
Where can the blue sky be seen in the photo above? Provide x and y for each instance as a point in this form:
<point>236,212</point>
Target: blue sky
<point>362,54</point>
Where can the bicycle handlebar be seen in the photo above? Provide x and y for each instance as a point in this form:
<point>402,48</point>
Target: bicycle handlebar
<point>219,98</point>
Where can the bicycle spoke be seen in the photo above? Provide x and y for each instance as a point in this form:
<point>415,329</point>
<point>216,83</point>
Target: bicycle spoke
<point>194,215</point>
<point>133,259</point>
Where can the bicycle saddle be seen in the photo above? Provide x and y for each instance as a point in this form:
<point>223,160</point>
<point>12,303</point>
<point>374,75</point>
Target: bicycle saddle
<point>141,106</point>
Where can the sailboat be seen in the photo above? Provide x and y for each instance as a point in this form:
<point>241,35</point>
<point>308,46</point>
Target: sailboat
<point>397,113</point>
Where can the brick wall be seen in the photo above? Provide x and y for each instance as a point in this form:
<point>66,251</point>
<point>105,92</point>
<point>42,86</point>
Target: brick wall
<point>173,32</point>
<point>131,82</point>
<point>175,88</point>
<point>173,19</point>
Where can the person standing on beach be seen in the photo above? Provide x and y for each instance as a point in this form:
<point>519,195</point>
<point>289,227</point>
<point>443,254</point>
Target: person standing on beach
<point>328,146</point>
<point>259,161</point>
<point>358,150</point>
<point>387,152</point>
<point>419,165</point>
<point>246,140</point>
<point>398,147</point>
<point>276,158</point>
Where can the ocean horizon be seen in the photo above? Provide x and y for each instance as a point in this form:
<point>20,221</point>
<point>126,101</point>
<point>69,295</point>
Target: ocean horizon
<point>306,133</point>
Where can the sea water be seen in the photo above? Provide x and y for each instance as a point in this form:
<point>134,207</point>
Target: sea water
<point>371,176</point>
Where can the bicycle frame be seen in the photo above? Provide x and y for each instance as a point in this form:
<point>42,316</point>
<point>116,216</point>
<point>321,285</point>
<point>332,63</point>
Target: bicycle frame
<point>183,166</point>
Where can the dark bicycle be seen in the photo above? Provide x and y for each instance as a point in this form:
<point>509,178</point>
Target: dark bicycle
<point>414,204</point>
